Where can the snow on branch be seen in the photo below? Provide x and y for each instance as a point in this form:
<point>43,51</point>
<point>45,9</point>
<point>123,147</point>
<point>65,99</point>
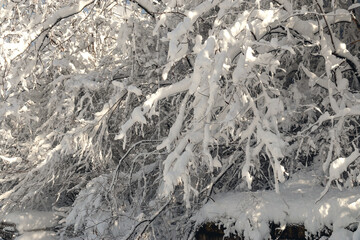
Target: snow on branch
<point>149,105</point>
<point>147,5</point>
<point>337,167</point>
<point>255,93</point>
<point>50,22</point>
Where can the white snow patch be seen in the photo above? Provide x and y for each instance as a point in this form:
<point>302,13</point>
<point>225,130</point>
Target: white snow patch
<point>11,160</point>
<point>248,212</point>
<point>135,90</point>
<point>38,235</point>
<point>343,234</point>
<point>31,220</point>
<point>353,6</point>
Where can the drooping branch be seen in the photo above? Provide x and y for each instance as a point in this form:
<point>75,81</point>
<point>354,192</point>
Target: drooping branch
<point>147,221</point>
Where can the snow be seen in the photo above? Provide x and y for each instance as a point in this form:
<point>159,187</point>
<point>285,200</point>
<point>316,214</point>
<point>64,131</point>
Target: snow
<point>30,220</point>
<point>150,105</point>
<point>138,116</point>
<point>305,28</point>
<point>201,63</point>
<point>84,213</point>
<point>224,7</point>
<point>134,90</point>
<point>339,15</point>
<point>337,167</point>
<point>232,111</point>
<point>164,92</point>
<point>176,166</point>
<point>118,84</point>
<point>177,37</point>
<point>11,160</point>
<point>313,79</point>
<point>342,51</point>
<point>353,6</point>
<point>343,234</point>
<point>251,212</point>
<point>264,19</point>
<point>37,235</point>
<point>147,4</point>
<point>176,127</point>
<point>27,38</point>
<point>201,8</point>
<point>245,171</point>
<point>32,225</point>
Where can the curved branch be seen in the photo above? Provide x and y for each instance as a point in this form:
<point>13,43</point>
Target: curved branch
<point>146,8</point>
<point>149,221</point>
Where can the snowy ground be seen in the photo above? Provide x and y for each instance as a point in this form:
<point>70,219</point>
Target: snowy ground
<point>251,212</point>
<point>37,235</point>
<point>32,225</point>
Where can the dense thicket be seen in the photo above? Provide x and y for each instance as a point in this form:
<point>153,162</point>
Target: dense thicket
<point>126,116</point>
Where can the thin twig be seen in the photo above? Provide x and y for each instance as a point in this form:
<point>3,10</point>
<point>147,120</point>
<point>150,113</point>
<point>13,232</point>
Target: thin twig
<point>125,155</point>
<point>149,221</point>
<point>327,24</point>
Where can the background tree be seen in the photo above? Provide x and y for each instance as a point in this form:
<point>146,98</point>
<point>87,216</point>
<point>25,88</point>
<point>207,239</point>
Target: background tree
<point>126,116</point>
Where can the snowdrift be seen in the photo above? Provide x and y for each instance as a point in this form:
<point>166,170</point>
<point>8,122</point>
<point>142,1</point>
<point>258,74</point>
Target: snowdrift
<point>251,212</point>
<point>31,225</point>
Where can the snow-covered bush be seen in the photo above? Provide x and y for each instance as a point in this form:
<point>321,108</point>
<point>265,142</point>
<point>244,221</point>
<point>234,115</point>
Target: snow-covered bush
<point>135,113</point>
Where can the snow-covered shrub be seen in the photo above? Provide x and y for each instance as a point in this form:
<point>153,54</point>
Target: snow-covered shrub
<point>135,113</point>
